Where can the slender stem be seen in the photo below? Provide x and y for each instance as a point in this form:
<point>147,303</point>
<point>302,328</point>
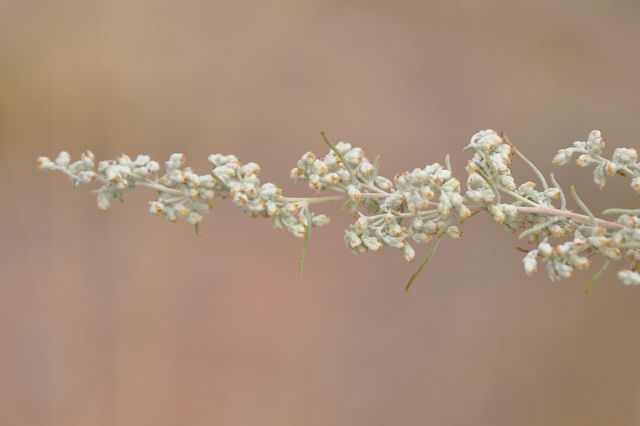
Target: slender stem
<point>429,256</point>
<point>376,166</point>
<point>307,236</point>
<point>629,245</point>
<point>548,211</point>
<point>519,197</point>
<point>159,187</point>
<point>491,184</point>
<point>622,211</point>
<point>312,200</point>
<point>374,195</point>
<point>597,275</point>
<point>582,205</point>
<point>531,165</point>
<point>563,200</point>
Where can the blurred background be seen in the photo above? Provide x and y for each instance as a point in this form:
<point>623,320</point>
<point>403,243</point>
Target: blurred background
<point>121,318</point>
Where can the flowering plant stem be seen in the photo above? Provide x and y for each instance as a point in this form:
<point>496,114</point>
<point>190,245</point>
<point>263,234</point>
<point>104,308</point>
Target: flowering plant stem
<point>412,208</point>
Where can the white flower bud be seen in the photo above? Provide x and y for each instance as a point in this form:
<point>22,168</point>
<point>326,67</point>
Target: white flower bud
<point>632,255</point>
<point>122,184</point>
<point>124,160</point>
<point>552,193</point>
<point>579,262</point>
<point>291,208</point>
<point>409,253</point>
<point>361,223</point>
<point>530,263</point>
<point>497,212</point>
<point>353,193</point>
<point>104,200</point>
<point>563,270</point>
<point>612,253</point>
<point>240,199</point>
<point>395,229</point>
<point>635,183</point>
<point>629,277</point>
<point>175,160</point>
<point>354,243</point>
<point>507,181</point>
<point>595,142</point>
<point>545,249</point>
<point>562,157</point>
<point>366,168</point>
<point>63,159</point>
<point>320,220</point>
<point>112,174</point>
<point>557,231</point>
<point>372,243</point>
<point>383,183</point>
<point>343,147</point>
<point>330,178</point>
<point>306,160</point>
<point>319,167</point>
<point>314,182</point>
<point>454,232</point>
<point>141,172</point>
<point>44,163</point>
<point>584,160</point>
<point>193,218</point>
<point>141,160</point>
<point>464,211</point>
<point>625,156</point>
<point>444,205</point>
<point>176,177</point>
<point>86,177</point>
<point>563,249</point>
<point>298,230</point>
<point>156,207</point>
<point>87,159</point>
<point>296,173</point>
<point>272,208</point>
<point>354,157</point>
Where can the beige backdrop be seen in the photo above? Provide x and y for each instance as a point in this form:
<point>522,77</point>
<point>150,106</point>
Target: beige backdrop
<point>121,318</point>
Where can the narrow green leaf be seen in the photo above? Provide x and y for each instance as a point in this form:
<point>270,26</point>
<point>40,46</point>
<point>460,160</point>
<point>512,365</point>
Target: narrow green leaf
<point>415,275</point>
<point>307,237</point>
<point>597,275</point>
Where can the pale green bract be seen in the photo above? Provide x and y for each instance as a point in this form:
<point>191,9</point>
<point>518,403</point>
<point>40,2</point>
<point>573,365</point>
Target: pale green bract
<point>412,208</point>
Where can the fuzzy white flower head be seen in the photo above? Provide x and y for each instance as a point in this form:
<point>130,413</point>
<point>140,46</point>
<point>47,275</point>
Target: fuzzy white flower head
<point>530,263</point>
<point>629,277</point>
<point>485,139</point>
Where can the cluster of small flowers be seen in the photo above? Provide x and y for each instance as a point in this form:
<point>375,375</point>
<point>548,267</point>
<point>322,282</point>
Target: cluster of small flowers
<point>330,172</point>
<point>184,194</point>
<point>489,166</point>
<point>624,161</point>
<point>413,191</point>
<point>489,174</point>
<point>410,195</point>
<point>78,172</point>
<point>630,235</point>
<point>241,183</point>
<point>563,259</point>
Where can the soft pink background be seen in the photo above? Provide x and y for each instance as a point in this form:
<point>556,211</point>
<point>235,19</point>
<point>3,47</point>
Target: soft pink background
<point>121,318</point>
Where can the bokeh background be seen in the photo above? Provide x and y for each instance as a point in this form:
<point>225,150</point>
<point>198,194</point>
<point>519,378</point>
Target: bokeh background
<point>121,318</point>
